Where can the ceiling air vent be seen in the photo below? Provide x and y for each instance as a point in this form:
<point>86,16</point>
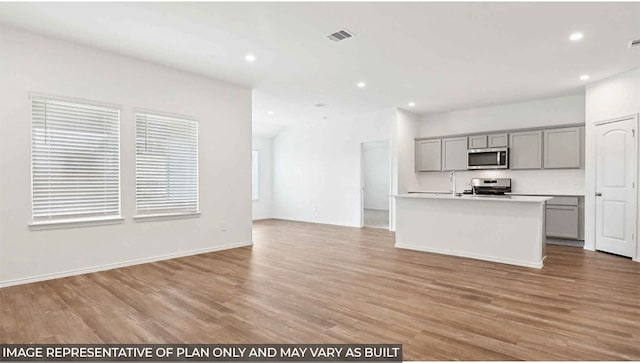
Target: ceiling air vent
<point>339,35</point>
<point>634,43</point>
<point>320,105</point>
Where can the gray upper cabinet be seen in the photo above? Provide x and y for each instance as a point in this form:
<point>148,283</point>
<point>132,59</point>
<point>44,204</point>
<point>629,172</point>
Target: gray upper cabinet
<point>454,153</point>
<point>484,141</point>
<point>478,142</point>
<point>428,155</point>
<point>526,150</point>
<point>498,140</point>
<point>562,148</point>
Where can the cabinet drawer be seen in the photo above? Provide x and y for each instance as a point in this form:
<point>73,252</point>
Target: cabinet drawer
<point>573,201</point>
<point>562,221</point>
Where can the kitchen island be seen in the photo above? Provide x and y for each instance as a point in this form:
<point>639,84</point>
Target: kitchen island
<point>505,229</point>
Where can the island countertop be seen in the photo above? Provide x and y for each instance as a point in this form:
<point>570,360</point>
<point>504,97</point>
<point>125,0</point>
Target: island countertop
<point>505,229</point>
<point>497,198</point>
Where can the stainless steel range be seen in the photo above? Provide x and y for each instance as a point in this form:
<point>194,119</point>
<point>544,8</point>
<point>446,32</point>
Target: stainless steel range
<point>491,186</point>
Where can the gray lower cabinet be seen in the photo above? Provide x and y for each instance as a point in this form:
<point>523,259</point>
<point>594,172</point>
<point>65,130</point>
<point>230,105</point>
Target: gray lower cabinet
<point>454,153</point>
<point>498,140</point>
<point>562,221</point>
<point>478,142</point>
<point>428,155</point>
<point>562,148</point>
<point>562,218</point>
<point>525,150</point>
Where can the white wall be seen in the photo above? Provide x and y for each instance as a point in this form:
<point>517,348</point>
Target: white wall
<point>376,172</point>
<point>407,128</point>
<point>31,63</point>
<point>317,172</point>
<point>404,177</point>
<point>262,207</point>
<point>537,113</point>
<point>612,98</point>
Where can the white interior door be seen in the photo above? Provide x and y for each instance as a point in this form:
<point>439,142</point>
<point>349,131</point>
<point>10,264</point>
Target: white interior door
<point>616,171</point>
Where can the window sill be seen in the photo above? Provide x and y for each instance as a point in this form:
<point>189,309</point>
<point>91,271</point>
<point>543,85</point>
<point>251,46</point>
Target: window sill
<point>165,216</point>
<point>72,223</point>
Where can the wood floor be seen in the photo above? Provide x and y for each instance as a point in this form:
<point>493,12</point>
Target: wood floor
<point>306,283</point>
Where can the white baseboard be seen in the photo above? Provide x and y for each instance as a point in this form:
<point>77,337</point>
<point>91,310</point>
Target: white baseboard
<point>260,218</point>
<point>111,266</point>
<point>470,255</point>
<point>317,222</point>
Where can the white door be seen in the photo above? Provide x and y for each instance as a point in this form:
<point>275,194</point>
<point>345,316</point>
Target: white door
<point>616,160</point>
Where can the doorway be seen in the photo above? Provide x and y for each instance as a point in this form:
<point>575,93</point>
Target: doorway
<point>376,176</point>
<point>616,179</point>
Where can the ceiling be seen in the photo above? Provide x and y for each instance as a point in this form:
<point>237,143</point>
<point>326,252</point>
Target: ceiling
<point>441,56</point>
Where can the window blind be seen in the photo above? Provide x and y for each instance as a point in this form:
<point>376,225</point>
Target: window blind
<point>75,160</point>
<point>166,164</point>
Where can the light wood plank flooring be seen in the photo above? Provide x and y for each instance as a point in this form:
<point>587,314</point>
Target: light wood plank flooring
<point>309,283</point>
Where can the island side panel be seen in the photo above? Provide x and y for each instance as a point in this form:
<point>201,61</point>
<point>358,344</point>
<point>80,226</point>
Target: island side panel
<point>505,232</point>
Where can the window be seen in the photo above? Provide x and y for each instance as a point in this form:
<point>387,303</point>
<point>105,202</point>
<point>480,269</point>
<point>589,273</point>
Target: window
<point>166,165</point>
<point>75,161</point>
<point>255,175</point>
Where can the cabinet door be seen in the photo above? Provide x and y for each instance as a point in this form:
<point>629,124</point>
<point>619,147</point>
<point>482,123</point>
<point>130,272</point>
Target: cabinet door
<point>454,153</point>
<point>498,140</point>
<point>526,150</point>
<point>478,142</point>
<point>562,221</point>
<point>562,148</point>
<point>428,153</point>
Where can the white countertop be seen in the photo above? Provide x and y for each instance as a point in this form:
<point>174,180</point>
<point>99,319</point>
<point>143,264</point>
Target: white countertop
<point>566,194</point>
<point>537,194</point>
<point>497,198</point>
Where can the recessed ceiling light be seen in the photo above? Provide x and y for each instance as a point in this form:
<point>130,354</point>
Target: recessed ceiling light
<point>270,112</point>
<point>576,36</point>
<point>584,77</point>
<point>250,58</point>
<point>411,104</point>
<point>361,85</point>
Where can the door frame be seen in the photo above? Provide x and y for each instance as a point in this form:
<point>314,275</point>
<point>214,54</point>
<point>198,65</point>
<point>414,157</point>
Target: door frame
<point>388,142</point>
<point>633,117</point>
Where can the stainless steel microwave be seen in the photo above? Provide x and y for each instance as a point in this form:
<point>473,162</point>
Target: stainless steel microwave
<point>491,158</point>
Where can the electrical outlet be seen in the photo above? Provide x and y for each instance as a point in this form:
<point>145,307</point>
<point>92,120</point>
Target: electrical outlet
<point>223,226</point>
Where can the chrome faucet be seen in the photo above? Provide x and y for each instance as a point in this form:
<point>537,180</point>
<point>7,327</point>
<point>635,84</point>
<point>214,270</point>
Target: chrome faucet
<point>452,183</point>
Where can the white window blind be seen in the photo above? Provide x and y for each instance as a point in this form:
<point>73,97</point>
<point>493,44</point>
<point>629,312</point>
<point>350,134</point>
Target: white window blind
<point>166,164</point>
<point>255,175</point>
<point>75,160</point>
